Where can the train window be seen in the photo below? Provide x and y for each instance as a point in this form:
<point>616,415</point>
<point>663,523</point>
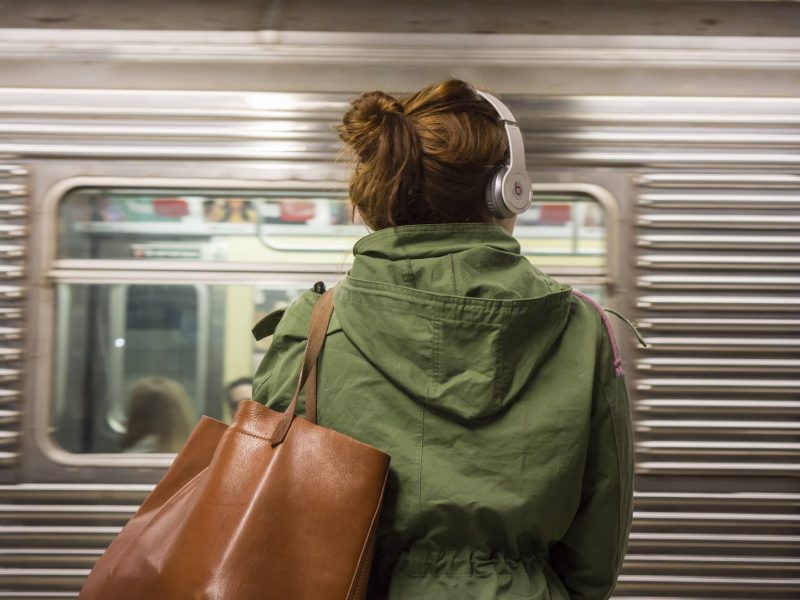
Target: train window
<point>565,229</point>
<point>151,326</point>
<point>561,229</point>
<point>206,225</point>
<point>136,364</point>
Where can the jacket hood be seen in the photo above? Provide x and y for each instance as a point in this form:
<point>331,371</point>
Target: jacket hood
<point>452,314</point>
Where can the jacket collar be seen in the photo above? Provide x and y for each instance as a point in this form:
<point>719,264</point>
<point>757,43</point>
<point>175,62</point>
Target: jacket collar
<point>429,241</point>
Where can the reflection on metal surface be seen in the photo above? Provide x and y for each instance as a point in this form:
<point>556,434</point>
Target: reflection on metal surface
<point>13,191</point>
<point>717,324</point>
<point>719,242</point>
<point>713,262</point>
<point>719,221</point>
<point>11,211</point>
<point>12,231</point>
<point>718,282</point>
<point>713,365</point>
<point>716,302</point>
<point>687,384</point>
<point>729,181</point>
<point>725,201</point>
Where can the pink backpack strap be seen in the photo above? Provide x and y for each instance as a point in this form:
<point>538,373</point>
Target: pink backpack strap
<point>617,358</point>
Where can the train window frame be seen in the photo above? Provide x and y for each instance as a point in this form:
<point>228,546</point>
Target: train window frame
<point>56,270</point>
<point>607,276</point>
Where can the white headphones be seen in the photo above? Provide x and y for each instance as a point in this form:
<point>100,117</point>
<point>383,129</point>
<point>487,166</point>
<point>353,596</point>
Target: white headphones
<point>508,192</point>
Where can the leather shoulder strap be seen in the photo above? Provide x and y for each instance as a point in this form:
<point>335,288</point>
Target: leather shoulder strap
<point>317,328</point>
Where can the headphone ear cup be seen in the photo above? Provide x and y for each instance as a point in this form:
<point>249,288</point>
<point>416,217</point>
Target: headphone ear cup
<point>494,194</point>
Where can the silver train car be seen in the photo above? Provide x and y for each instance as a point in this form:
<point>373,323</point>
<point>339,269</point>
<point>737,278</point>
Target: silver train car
<point>160,190</point>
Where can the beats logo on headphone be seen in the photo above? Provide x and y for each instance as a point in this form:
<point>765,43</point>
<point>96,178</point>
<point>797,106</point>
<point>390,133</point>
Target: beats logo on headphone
<point>508,191</point>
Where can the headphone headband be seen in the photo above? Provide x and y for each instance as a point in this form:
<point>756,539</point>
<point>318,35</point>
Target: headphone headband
<point>502,109</point>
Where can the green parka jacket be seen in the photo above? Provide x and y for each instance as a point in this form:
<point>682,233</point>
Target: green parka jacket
<point>498,393</point>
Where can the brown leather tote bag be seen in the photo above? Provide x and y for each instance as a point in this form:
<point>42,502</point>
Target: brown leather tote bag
<point>272,507</point>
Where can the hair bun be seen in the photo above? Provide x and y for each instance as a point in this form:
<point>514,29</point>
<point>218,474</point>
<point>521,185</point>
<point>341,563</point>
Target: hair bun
<point>376,105</point>
<point>365,119</point>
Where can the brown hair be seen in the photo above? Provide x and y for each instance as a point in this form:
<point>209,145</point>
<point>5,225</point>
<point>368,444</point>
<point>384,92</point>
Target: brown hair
<point>424,158</point>
<point>158,406</point>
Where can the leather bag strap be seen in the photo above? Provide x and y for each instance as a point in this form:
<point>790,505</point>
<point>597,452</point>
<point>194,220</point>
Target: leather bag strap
<point>317,328</point>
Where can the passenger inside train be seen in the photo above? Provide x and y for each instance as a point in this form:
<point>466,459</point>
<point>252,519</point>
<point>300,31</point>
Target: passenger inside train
<point>159,416</point>
<point>236,391</point>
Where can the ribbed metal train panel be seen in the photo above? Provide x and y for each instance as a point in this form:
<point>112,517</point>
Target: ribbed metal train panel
<point>721,351</point>
<point>13,241</point>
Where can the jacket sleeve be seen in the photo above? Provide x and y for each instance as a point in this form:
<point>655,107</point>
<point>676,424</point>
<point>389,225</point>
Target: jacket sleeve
<point>589,557</point>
